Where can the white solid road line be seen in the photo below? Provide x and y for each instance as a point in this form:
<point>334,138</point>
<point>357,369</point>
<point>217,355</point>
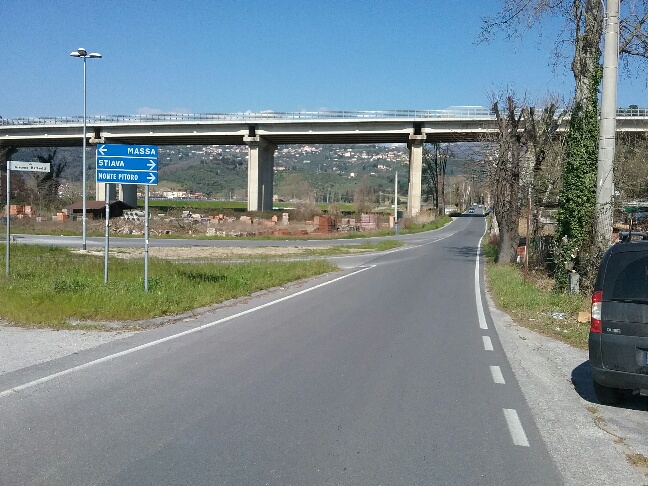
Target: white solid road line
<point>480,305</point>
<point>488,344</point>
<point>498,378</point>
<point>512,419</point>
<point>515,427</point>
<point>172,337</point>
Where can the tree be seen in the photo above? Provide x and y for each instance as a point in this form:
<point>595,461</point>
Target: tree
<point>294,186</point>
<point>19,192</point>
<point>525,137</point>
<point>631,168</point>
<point>48,184</point>
<point>546,147</point>
<point>5,154</point>
<point>435,160</point>
<point>506,177</point>
<point>584,27</point>
<point>430,175</point>
<point>575,237</point>
<point>363,197</point>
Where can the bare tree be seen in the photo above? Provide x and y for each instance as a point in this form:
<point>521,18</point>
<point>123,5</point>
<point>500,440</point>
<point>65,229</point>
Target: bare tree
<point>631,167</point>
<point>5,154</point>
<point>506,177</point>
<point>48,184</point>
<point>295,186</point>
<point>583,27</point>
<point>542,136</point>
<point>363,196</point>
<point>435,160</point>
<point>430,174</point>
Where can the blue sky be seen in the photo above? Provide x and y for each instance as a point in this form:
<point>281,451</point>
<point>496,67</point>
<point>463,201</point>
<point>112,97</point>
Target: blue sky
<point>223,56</point>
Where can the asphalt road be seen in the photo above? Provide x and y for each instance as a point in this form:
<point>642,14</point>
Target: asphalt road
<point>385,373</point>
<point>119,241</point>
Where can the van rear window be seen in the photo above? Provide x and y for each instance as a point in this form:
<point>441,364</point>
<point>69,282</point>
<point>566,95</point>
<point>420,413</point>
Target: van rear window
<point>626,276</point>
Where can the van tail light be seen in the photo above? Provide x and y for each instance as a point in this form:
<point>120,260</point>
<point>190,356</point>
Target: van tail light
<point>597,304</point>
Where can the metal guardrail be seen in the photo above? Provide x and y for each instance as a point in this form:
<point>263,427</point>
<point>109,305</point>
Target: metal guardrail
<point>449,113</point>
<point>459,112</point>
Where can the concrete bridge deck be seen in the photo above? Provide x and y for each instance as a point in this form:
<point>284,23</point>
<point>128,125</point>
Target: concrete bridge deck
<point>264,131</point>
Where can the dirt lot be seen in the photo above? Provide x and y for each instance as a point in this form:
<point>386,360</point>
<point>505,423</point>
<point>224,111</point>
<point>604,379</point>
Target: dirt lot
<point>208,253</point>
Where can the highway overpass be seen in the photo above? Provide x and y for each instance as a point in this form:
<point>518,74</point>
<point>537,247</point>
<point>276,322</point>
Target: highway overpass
<point>263,132</point>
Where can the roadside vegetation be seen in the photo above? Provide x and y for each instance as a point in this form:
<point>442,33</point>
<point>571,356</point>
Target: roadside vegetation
<point>53,287</point>
<point>350,249</point>
<point>56,287</point>
<point>533,302</point>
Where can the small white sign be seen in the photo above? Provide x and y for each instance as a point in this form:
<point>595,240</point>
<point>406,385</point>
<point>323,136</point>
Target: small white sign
<point>30,166</point>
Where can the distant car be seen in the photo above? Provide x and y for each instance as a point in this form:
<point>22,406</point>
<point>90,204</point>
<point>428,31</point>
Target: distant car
<point>471,210</point>
<point>618,338</point>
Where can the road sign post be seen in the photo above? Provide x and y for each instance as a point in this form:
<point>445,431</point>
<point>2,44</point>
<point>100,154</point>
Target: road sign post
<point>146,236</point>
<point>23,166</point>
<point>127,164</point>
<point>107,234</point>
<point>8,192</point>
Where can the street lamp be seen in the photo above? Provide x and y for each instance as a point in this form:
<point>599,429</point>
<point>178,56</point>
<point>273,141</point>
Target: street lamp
<point>83,54</point>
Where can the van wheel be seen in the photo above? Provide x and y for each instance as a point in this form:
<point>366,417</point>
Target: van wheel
<point>606,394</point>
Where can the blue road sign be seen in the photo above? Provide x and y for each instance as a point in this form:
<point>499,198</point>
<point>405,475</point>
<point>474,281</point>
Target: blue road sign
<point>127,164</point>
<point>127,177</point>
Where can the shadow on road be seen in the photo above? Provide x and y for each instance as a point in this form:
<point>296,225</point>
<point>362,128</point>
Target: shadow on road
<point>582,381</point>
<point>464,251</point>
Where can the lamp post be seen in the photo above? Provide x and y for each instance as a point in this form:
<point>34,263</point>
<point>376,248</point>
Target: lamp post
<point>83,54</point>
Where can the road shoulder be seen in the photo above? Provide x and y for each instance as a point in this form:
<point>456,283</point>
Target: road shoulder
<point>552,376</point>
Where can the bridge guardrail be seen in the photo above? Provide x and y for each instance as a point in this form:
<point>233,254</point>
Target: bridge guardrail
<point>467,112</point>
<point>450,113</point>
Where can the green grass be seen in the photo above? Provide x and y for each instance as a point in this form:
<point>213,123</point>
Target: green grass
<point>531,303</point>
<point>51,286</point>
<point>166,204</point>
<point>432,225</point>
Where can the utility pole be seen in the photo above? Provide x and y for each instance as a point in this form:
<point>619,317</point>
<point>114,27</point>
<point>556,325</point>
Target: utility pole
<point>607,142</point>
<point>395,204</point>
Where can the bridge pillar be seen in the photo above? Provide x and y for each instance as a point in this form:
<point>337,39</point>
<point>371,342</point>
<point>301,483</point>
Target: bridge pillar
<point>101,191</point>
<point>415,146</point>
<point>128,194</point>
<point>125,192</point>
<point>260,173</point>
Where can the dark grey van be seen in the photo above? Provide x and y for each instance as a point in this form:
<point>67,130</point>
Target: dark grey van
<point>618,338</point>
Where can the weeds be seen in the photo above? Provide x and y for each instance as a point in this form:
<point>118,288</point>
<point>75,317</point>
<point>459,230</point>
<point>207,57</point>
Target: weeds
<point>533,305</point>
<point>51,286</point>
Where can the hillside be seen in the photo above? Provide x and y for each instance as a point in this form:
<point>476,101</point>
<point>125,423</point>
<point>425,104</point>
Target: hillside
<point>327,172</point>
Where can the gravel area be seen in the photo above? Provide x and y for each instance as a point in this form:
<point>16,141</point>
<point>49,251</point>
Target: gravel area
<point>590,443</point>
<point>20,347</point>
<point>214,252</point>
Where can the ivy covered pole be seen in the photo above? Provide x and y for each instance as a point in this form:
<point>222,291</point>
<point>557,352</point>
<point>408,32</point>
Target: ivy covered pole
<point>605,179</point>
<point>575,254</point>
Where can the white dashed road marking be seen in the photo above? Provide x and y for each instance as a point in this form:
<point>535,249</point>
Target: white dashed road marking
<point>512,419</point>
<point>488,344</point>
<point>515,427</point>
<point>84,366</point>
<point>497,375</point>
